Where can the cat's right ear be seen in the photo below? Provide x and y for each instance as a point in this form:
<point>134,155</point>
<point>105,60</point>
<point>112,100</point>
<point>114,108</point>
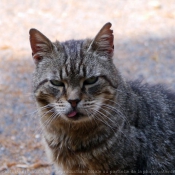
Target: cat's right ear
<point>103,43</point>
<point>40,45</point>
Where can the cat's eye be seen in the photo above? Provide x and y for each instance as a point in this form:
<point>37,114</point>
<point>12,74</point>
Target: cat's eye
<point>56,83</point>
<point>90,80</point>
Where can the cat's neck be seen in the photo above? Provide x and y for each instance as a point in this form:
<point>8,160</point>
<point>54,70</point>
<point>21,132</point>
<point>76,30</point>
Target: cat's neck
<point>73,135</point>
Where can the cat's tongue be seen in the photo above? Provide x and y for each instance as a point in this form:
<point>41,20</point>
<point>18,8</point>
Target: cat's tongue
<point>72,114</point>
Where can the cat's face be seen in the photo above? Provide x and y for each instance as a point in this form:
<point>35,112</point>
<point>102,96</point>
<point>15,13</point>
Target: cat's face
<point>74,80</point>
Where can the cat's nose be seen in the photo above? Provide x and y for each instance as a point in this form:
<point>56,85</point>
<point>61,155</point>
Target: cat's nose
<point>74,102</point>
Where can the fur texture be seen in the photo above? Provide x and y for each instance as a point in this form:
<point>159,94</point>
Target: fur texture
<point>92,120</point>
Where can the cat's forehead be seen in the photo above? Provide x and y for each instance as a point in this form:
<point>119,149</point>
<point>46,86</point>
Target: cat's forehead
<point>73,49</point>
<point>74,62</point>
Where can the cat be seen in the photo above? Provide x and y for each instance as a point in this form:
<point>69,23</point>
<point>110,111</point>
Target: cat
<point>93,121</point>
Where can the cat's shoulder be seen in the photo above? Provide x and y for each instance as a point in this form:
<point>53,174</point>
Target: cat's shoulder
<point>159,90</point>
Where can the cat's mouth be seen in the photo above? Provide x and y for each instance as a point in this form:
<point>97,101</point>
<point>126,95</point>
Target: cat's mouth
<point>72,114</point>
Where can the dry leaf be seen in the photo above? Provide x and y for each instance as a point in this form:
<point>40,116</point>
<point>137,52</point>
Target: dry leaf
<point>33,166</point>
<point>5,166</point>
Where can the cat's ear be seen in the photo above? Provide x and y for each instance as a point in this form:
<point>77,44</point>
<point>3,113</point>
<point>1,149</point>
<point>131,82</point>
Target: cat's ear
<point>40,44</point>
<point>103,43</point>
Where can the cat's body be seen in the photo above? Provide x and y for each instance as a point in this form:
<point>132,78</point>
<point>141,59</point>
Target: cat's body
<point>93,121</point>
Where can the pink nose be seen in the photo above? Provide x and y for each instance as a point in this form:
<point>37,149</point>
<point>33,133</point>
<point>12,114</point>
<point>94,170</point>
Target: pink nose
<point>74,102</point>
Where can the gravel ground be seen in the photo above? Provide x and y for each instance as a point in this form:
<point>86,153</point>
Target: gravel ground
<point>144,49</point>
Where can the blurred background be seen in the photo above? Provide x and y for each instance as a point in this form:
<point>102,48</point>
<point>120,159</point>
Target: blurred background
<point>144,33</point>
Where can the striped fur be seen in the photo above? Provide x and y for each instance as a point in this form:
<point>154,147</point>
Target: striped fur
<point>119,126</point>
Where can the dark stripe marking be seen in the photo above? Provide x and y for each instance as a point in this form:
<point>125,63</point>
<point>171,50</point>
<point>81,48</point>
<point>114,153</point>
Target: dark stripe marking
<point>84,71</point>
<point>61,74</point>
<point>40,84</point>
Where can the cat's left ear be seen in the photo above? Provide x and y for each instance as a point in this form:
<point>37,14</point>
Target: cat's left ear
<point>103,43</point>
<point>40,45</point>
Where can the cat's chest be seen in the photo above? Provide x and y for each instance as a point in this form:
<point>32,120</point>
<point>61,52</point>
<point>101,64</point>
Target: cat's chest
<point>83,161</point>
<point>76,155</point>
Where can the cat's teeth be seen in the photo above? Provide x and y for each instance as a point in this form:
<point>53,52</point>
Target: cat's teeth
<point>72,114</point>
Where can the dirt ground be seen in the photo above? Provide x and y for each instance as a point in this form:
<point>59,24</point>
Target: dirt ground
<point>144,49</point>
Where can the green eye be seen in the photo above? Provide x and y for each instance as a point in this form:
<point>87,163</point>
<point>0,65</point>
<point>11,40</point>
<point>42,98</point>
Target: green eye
<point>91,80</point>
<point>56,83</point>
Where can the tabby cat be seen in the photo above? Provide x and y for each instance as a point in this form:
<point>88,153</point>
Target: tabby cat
<point>93,121</point>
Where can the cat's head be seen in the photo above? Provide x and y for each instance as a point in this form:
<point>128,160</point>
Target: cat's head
<point>74,80</point>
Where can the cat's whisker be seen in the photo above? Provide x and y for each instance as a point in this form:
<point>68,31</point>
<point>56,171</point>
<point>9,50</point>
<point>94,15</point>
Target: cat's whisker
<point>32,113</point>
<point>38,110</point>
<point>43,115</point>
<point>100,106</point>
<point>110,120</point>
<point>106,99</point>
<point>102,119</point>
<point>28,94</point>
<point>47,112</point>
<point>119,127</point>
<point>117,111</point>
<point>55,113</point>
<point>90,115</point>
<point>52,117</point>
<point>43,126</point>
